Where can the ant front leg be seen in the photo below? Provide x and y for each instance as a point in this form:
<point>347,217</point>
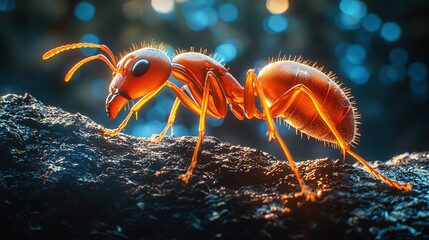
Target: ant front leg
<point>170,120</point>
<point>212,87</point>
<point>252,86</point>
<point>134,110</point>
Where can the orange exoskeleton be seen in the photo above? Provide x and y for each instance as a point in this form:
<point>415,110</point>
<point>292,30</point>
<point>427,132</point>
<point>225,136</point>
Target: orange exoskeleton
<point>302,95</point>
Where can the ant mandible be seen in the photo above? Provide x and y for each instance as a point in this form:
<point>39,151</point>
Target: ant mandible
<point>302,95</point>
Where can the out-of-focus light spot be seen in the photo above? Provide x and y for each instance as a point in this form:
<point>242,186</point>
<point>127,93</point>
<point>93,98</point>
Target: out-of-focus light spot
<point>84,11</point>
<point>355,53</point>
<point>371,22</point>
<point>398,56</point>
<point>131,10</point>
<point>213,122</point>
<point>275,23</point>
<point>211,15</point>
<point>389,74</point>
<point>197,20</point>
<point>89,38</point>
<point>417,71</point>
<point>169,50</point>
<point>7,5</point>
<point>277,6</point>
<point>153,114</point>
<point>340,49</point>
<point>99,88</point>
<point>199,14</point>
<point>390,31</point>
<point>258,65</point>
<point>163,6</point>
<point>396,73</point>
<point>161,110</point>
<point>148,129</point>
<point>180,130</point>
<point>359,74</point>
<point>163,105</point>
<point>345,65</point>
<point>347,22</point>
<point>228,12</point>
<point>419,87</point>
<point>353,8</point>
<point>226,52</point>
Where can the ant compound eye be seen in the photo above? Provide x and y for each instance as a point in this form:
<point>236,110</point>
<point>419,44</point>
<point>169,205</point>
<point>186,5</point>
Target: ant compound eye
<point>140,67</point>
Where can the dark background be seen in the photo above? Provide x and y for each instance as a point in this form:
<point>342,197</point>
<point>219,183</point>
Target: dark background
<point>379,49</point>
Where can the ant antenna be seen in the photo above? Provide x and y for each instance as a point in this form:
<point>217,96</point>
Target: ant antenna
<point>111,63</point>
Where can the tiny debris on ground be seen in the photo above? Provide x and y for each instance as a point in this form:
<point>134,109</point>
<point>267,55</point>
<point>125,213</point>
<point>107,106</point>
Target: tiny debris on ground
<point>60,177</point>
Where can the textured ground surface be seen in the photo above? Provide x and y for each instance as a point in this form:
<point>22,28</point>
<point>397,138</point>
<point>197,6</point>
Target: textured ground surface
<point>61,178</point>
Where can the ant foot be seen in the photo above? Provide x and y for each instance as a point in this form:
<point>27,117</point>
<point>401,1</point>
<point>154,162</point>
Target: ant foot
<point>185,177</point>
<point>108,132</point>
<point>309,195</point>
<point>155,138</point>
<point>271,135</point>
<point>407,187</point>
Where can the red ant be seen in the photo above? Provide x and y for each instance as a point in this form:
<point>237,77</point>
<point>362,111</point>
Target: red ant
<point>291,90</point>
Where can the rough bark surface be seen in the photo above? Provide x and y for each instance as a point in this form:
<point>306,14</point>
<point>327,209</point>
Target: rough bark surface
<point>61,178</point>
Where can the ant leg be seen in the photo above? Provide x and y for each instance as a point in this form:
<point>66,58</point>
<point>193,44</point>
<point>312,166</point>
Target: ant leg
<point>286,100</point>
<point>170,121</point>
<point>171,117</point>
<point>211,87</point>
<point>407,187</point>
<point>252,80</point>
<point>133,110</point>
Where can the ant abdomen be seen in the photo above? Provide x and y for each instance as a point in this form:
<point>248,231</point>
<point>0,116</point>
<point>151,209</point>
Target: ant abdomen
<point>281,78</point>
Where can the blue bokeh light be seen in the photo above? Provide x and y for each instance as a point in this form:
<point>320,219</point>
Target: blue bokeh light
<point>148,129</point>
<point>359,74</point>
<point>418,87</point>
<point>389,74</point>
<point>371,22</point>
<point>170,52</point>
<point>84,11</point>
<point>347,22</point>
<point>7,5</point>
<point>417,71</point>
<point>226,51</point>
<point>353,8</point>
<point>180,130</point>
<point>213,122</point>
<point>89,38</point>
<point>275,23</point>
<point>355,53</point>
<point>164,105</point>
<point>99,88</point>
<point>396,73</point>
<point>340,48</point>
<point>390,31</point>
<point>259,64</point>
<point>398,56</point>
<point>197,20</point>
<point>212,16</point>
<point>228,12</point>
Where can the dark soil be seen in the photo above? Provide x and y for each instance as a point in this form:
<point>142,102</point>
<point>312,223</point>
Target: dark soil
<point>61,178</point>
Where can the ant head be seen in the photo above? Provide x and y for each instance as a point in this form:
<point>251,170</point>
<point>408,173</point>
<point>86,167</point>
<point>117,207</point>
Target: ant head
<point>138,74</point>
